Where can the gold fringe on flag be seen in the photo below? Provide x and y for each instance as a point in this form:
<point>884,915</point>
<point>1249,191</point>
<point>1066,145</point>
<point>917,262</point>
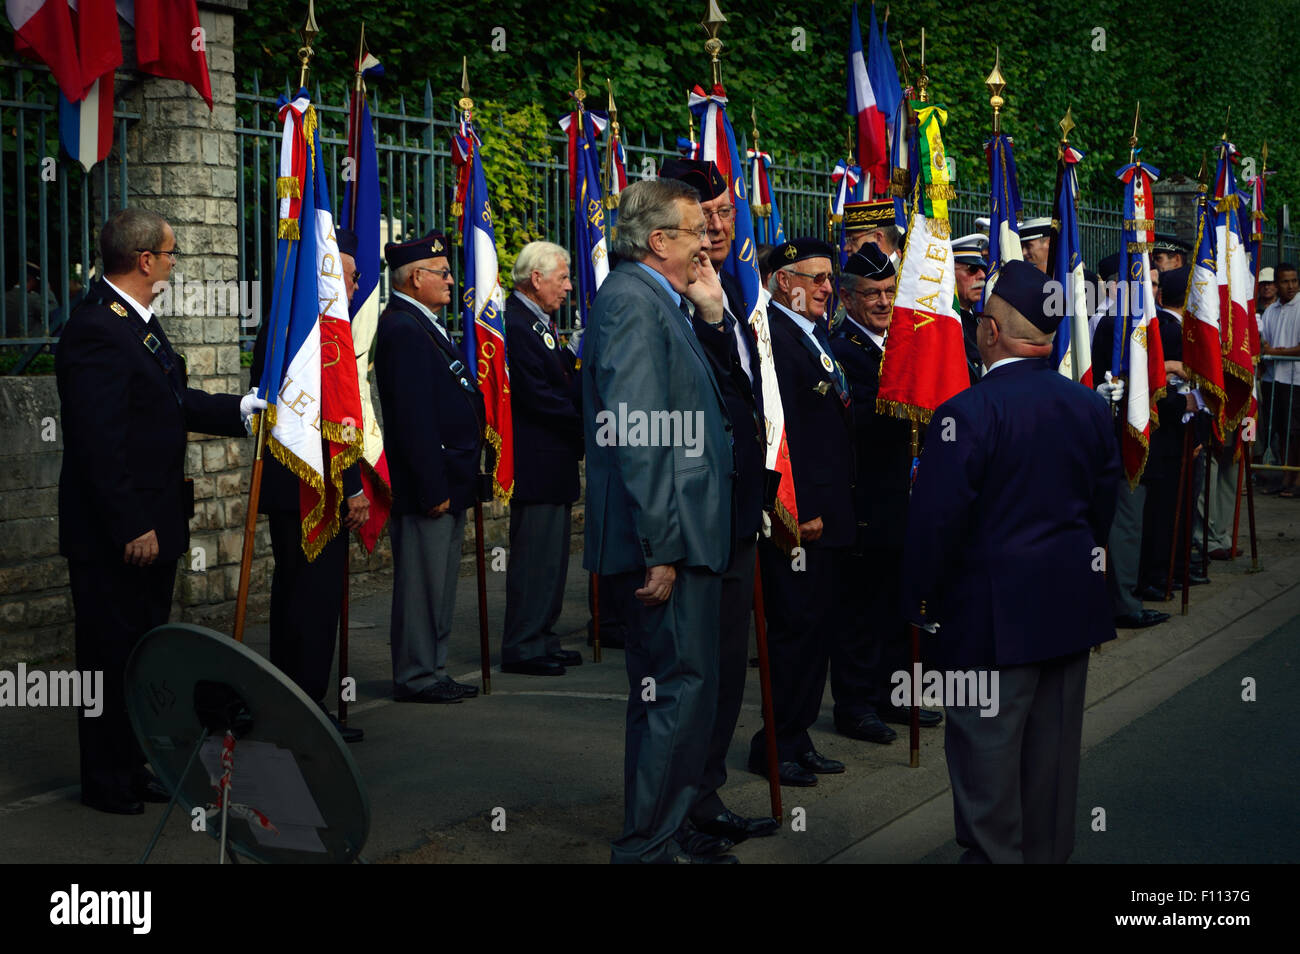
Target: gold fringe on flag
<point>1226,203</point>
<point>940,190</point>
<point>288,229</point>
<point>1140,225</point>
<point>288,187</point>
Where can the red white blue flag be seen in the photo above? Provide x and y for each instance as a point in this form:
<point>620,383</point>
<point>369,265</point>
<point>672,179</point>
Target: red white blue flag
<point>1237,327</point>
<point>872,150</point>
<point>1071,348</point>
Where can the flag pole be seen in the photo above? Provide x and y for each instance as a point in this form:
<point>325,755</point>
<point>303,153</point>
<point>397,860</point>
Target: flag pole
<point>309,32</point>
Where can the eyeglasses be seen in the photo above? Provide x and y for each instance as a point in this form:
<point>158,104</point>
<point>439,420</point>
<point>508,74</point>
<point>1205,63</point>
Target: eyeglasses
<point>440,272</point>
<point>175,253</point>
<point>356,277</point>
<point>873,294</point>
<point>700,233</point>
<point>724,214</point>
<point>818,279</point>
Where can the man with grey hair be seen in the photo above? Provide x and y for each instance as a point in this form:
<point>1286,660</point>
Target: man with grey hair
<point>124,503</point>
<point>548,446</point>
<point>659,528</point>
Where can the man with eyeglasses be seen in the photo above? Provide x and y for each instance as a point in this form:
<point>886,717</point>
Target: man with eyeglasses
<point>307,595</point>
<point>733,355</point>
<point>659,509</point>
<point>124,503</point>
<point>970,265</point>
<point>798,591</point>
<point>871,223</point>
<point>433,436</point>
<point>871,634</point>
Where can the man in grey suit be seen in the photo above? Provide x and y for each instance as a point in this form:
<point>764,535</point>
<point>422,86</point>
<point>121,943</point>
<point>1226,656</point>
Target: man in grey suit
<point>660,475</point>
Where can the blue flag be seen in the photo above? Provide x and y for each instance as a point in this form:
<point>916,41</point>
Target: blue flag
<point>1071,354</point>
<point>1004,207</point>
<point>591,261</point>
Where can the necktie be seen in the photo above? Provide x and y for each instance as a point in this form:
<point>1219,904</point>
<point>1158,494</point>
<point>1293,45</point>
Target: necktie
<point>824,340</point>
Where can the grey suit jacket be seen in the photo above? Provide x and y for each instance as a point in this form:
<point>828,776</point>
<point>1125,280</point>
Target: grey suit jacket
<point>661,492</point>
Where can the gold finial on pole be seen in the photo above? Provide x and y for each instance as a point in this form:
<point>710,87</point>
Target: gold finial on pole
<point>308,32</point>
<point>361,55</point>
<point>886,13</point>
<point>579,93</point>
<point>465,103</point>
<point>1067,126</point>
<point>1263,158</point>
<point>996,84</point>
<point>1225,123</point>
<point>1133,139</point>
<point>713,46</point>
<point>613,109</point>
<point>923,80</point>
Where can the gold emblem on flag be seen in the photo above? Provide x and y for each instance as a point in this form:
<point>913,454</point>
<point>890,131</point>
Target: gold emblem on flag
<point>118,309</point>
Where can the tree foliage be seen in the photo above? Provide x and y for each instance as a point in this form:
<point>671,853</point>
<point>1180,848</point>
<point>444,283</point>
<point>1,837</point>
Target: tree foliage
<point>1187,61</point>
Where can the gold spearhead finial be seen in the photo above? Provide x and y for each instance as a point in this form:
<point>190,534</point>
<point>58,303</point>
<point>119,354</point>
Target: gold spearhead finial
<point>1133,139</point>
<point>1263,156</point>
<point>923,80</point>
<point>996,84</point>
<point>1200,176</point>
<point>886,13</point>
<point>579,93</point>
<point>613,110</point>
<point>713,46</point>
<point>308,33</point>
<point>753,117</point>
<point>714,18</point>
<point>1067,125</point>
<point>465,103</point>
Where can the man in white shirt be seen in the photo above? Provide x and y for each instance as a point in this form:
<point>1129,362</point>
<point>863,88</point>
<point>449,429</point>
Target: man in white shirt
<point>1280,337</point>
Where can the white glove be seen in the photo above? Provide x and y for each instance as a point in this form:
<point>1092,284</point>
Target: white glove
<point>1112,389</point>
<point>930,628</point>
<point>575,340</point>
<point>249,405</point>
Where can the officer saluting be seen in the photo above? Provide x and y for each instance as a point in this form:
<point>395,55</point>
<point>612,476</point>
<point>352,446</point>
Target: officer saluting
<point>1006,524</point>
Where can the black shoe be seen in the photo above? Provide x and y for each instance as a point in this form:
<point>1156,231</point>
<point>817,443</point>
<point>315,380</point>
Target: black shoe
<point>566,657</point>
<point>819,764</point>
<point>903,716</point>
<point>348,733</point>
<point>439,693</point>
<point>540,666</point>
<point>696,842</point>
<point>466,691</point>
<point>1153,594</point>
<point>867,727</point>
<point>147,788</point>
<point>1140,620</point>
<point>686,858</point>
<point>790,773</point>
<point>737,827</point>
<point>115,803</point>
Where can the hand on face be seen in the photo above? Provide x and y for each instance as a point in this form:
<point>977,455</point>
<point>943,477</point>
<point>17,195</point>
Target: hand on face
<point>706,290</point>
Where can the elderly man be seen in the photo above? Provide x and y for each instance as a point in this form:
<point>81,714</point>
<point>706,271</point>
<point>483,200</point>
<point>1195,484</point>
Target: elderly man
<point>659,504</point>
<point>548,446</point>
<point>1036,241</point>
<point>733,356</point>
<point>433,438</point>
<point>798,587</point>
<point>124,503</point>
<point>1001,565</point>
<point>1280,336</point>
<point>306,595</point>
<point>871,639</point>
<point>970,255</point>
<point>871,222</point>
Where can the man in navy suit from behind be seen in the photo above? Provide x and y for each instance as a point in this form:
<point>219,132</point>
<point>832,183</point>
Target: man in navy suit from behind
<point>1004,564</point>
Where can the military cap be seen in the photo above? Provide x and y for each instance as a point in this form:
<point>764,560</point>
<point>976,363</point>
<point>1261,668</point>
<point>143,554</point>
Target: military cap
<point>347,241</point>
<point>1173,285</point>
<point>796,250</point>
<point>1036,228</point>
<point>868,216</point>
<point>1025,288</point>
<point>1266,274</point>
<point>1168,243</point>
<point>433,245</point>
<point>971,250</point>
<point>703,176</point>
<point>869,262</point>
<point>1108,267</point>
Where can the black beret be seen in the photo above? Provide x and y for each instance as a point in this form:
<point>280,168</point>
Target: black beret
<point>869,262</point>
<point>1108,267</point>
<point>703,176</point>
<point>347,241</point>
<point>796,250</point>
<point>1025,288</point>
<point>433,245</point>
<point>1173,285</point>
<point>868,216</point>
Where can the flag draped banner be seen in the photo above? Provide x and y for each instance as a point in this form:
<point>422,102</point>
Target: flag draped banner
<point>1137,353</point>
<point>718,145</point>
<point>311,393</point>
<point>86,119</point>
<point>362,213</point>
<point>1004,209</point>
<point>481,307</point>
<point>1202,354</point>
<point>591,263</point>
<point>925,358</point>
<point>43,31</point>
<point>1237,329</point>
<point>860,104</point>
<point>1071,348</point>
<point>770,229</point>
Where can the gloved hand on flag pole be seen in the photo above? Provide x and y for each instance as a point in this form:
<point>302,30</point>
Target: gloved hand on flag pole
<point>1112,389</point>
<point>249,405</point>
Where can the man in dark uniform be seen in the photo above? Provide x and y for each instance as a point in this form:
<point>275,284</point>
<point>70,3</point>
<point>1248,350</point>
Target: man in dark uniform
<point>733,357</point>
<point>798,588</point>
<point>548,446</point>
<point>871,637</point>
<point>1169,253</point>
<point>970,255</point>
<point>1036,241</point>
<point>307,595</point>
<point>1002,565</point>
<point>124,504</point>
<point>433,438</point>
<point>871,223</point>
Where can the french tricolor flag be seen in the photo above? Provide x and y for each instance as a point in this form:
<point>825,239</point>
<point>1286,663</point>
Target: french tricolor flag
<point>86,127</point>
<point>872,155</point>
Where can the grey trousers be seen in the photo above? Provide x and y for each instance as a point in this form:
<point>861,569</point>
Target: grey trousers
<point>674,644</point>
<point>1223,499</point>
<point>1125,549</point>
<point>1015,776</point>
<point>535,575</point>
<point>426,563</point>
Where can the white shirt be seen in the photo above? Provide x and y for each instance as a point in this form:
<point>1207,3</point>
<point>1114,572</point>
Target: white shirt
<point>878,339</point>
<point>1281,329</point>
<point>433,319</point>
<point>805,324</point>
<point>1000,363</point>
<point>742,337</point>
<point>143,311</point>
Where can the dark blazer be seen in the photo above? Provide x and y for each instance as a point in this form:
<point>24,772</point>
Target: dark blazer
<point>433,418</point>
<point>969,320</point>
<point>744,401</point>
<point>544,403</point>
<point>819,433</point>
<point>652,505</point>
<point>279,491</point>
<point>882,446</point>
<point>124,424</point>
<point>1008,519</point>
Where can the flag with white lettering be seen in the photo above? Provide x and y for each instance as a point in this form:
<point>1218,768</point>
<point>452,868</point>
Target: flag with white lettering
<point>1237,327</point>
